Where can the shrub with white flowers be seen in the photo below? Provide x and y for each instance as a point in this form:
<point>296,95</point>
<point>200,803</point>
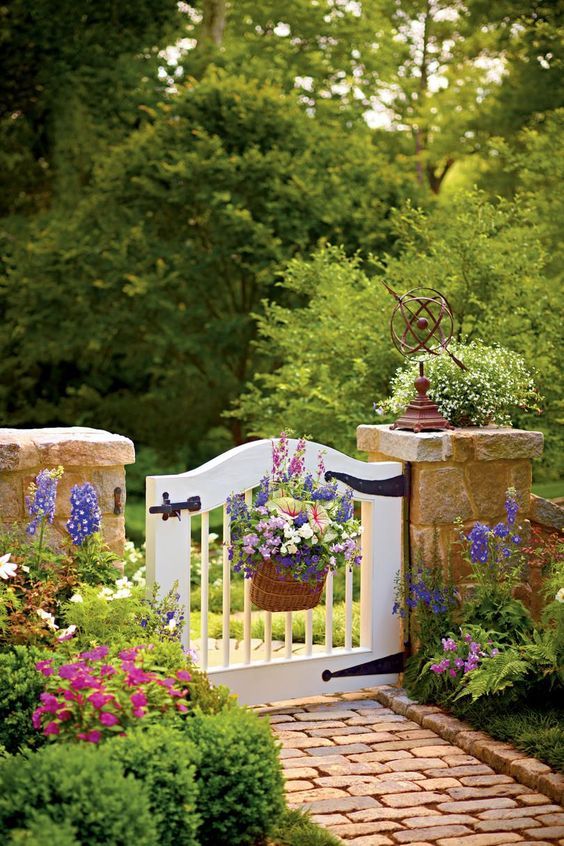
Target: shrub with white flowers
<point>495,384</point>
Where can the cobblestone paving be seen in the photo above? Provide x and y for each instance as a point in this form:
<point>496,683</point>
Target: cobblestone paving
<point>375,778</point>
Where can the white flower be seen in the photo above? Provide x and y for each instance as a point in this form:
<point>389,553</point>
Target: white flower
<point>291,547</point>
<point>283,549</point>
<point>171,624</point>
<point>123,583</point>
<point>67,633</point>
<point>76,597</point>
<point>560,595</point>
<point>305,531</point>
<point>25,569</point>
<point>48,618</point>
<point>7,567</point>
<point>106,593</point>
<point>122,593</point>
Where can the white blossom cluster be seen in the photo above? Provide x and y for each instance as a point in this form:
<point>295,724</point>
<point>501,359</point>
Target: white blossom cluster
<point>495,384</point>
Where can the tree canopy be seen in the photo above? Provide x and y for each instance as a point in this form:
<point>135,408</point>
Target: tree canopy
<point>198,202</point>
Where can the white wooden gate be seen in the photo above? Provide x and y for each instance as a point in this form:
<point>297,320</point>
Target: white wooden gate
<point>274,676</point>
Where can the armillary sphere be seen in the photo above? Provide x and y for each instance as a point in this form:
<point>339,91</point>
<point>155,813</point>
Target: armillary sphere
<point>422,322</point>
<point>421,325</point>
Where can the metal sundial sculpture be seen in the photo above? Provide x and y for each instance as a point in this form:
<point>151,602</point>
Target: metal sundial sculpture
<point>421,325</point>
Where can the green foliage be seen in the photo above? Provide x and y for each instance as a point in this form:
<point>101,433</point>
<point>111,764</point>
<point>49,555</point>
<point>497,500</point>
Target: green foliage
<point>494,386</point>
<point>164,760</point>
<point>326,352</point>
<point>94,562</point>
<point>239,777</point>
<point>506,616</point>
<point>42,830</point>
<point>20,686</point>
<point>101,620</point>
<point>297,829</point>
<point>163,313</point>
<point>80,789</point>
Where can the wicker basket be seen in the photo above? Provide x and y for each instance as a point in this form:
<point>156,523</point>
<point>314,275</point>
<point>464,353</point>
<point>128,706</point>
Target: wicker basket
<point>274,592</point>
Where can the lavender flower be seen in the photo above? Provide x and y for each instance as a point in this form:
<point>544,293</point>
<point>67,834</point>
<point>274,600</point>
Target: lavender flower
<point>85,513</point>
<point>511,507</point>
<point>42,497</point>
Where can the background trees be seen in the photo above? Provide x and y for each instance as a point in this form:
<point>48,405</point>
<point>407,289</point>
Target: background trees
<point>171,175</point>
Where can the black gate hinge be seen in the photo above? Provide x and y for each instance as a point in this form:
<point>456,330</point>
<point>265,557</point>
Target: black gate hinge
<point>396,486</point>
<point>378,667</point>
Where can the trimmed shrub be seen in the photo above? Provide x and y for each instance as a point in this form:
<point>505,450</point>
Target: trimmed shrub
<point>164,760</point>
<point>20,686</point>
<point>42,831</point>
<point>76,787</point>
<point>239,777</point>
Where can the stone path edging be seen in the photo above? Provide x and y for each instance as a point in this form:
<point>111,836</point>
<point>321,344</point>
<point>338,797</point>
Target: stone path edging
<point>502,757</point>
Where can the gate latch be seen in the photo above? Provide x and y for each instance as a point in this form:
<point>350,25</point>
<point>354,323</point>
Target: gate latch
<point>173,509</point>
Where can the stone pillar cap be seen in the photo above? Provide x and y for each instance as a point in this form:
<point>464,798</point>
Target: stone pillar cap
<point>489,443</point>
<point>69,445</point>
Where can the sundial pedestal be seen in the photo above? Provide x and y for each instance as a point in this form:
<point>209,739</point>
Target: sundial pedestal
<point>422,415</point>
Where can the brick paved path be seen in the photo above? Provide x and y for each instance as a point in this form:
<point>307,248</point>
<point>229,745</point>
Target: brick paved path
<point>375,778</point>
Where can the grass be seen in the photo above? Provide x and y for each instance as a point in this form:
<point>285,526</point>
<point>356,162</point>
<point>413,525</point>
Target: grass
<point>215,625</point>
<point>536,728</point>
<point>297,829</point>
<point>550,490</point>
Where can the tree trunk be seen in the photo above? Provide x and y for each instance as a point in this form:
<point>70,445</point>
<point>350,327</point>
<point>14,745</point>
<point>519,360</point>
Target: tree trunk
<point>213,22</point>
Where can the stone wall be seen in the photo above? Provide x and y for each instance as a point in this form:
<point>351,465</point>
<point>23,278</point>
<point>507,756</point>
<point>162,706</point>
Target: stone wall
<point>87,455</point>
<point>460,473</point>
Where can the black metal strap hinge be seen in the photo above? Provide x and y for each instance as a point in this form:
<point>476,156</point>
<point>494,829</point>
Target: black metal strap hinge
<point>173,509</point>
<point>396,486</point>
<point>377,667</point>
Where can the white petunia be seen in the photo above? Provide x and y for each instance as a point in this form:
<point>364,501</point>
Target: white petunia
<point>48,618</point>
<point>7,567</point>
<point>76,597</point>
<point>305,531</point>
<point>171,624</point>
<point>122,593</point>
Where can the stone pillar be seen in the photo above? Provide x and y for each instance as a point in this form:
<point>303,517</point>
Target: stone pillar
<point>460,473</point>
<point>87,455</point>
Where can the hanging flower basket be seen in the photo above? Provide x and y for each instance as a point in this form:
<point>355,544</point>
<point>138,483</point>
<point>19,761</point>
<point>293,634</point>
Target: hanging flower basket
<point>274,591</point>
<point>297,528</point>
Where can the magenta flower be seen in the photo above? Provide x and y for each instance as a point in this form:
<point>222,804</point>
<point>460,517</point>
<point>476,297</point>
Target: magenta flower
<point>108,719</point>
<point>95,654</point>
<point>99,699</point>
<point>183,675</point>
<point>50,702</point>
<point>45,667</point>
<point>51,728</point>
<point>182,706</point>
<point>138,712</point>
<point>138,699</point>
<point>90,736</point>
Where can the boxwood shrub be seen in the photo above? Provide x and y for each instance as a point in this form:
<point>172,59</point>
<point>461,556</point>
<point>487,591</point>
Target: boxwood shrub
<point>80,790</point>
<point>164,760</point>
<point>239,777</point>
<point>20,686</point>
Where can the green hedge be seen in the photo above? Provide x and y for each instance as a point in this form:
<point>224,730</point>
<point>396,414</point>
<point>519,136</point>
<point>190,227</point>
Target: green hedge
<point>78,791</point>
<point>165,761</point>
<point>241,788</point>
<point>20,686</point>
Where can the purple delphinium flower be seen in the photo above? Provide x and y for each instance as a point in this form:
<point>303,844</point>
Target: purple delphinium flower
<point>479,543</point>
<point>41,505</point>
<point>501,530</point>
<point>85,513</point>
<point>511,508</point>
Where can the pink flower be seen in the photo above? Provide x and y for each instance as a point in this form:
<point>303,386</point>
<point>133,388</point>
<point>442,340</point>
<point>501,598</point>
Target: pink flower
<point>45,667</point>
<point>50,702</point>
<point>107,670</point>
<point>36,717</point>
<point>95,654</point>
<point>90,736</point>
<point>182,706</point>
<point>99,699</point>
<point>183,675</point>
<point>138,712</point>
<point>138,676</point>
<point>64,715</point>
<point>108,719</point>
<point>129,654</point>
<point>138,699</point>
<point>51,728</point>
